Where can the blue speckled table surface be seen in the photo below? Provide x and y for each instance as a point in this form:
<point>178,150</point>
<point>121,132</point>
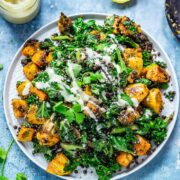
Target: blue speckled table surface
<point>151,15</point>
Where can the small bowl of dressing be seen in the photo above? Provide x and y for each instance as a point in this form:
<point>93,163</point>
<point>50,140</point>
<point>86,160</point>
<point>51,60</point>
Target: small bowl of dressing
<point>19,11</point>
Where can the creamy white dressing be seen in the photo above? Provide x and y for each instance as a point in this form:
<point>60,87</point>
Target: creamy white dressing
<point>113,38</point>
<point>26,89</point>
<point>121,102</point>
<point>111,35</point>
<point>118,70</point>
<point>135,102</point>
<point>53,77</point>
<point>42,85</point>
<point>111,48</point>
<point>148,113</point>
<point>130,109</point>
<point>90,53</point>
<point>90,113</point>
<point>102,109</point>
<point>81,97</point>
<point>104,68</point>
<point>103,61</point>
<point>77,95</point>
<point>104,95</point>
<point>121,47</point>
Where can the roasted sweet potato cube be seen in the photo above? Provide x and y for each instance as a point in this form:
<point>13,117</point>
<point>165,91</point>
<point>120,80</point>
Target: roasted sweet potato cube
<point>94,32</point>
<point>40,94</point>
<point>142,146</point>
<point>47,139</point>
<point>25,134</point>
<point>64,23</point>
<point>92,108</point>
<point>99,34</point>
<point>30,47</point>
<point>138,91</point>
<point>132,77</point>
<point>88,90</point>
<point>31,116</point>
<point>48,136</point>
<point>39,58</point>
<point>23,88</point>
<point>154,100</point>
<point>49,57</point>
<point>57,165</point>
<point>19,107</point>
<point>155,73</point>
<point>133,59</point>
<point>128,116</point>
<point>102,36</point>
<point>124,159</point>
<point>120,25</point>
<point>30,70</point>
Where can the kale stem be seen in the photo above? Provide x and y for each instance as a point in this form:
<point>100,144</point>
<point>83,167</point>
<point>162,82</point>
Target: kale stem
<point>121,62</point>
<point>169,118</point>
<point>58,38</point>
<point>4,161</point>
<point>120,130</point>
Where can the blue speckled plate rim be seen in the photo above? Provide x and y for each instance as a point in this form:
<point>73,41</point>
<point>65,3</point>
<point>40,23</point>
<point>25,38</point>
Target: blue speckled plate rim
<point>97,16</point>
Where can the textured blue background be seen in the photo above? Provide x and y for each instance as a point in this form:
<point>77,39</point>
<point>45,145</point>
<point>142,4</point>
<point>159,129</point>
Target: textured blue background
<point>150,14</point>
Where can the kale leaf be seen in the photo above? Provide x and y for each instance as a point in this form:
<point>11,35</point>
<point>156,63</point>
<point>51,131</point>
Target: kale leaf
<point>72,114</point>
<point>43,111</point>
<point>147,58</point>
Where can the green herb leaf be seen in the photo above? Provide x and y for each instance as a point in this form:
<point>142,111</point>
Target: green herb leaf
<point>92,78</point>
<point>87,80</point>
<point>42,77</point>
<point>3,178</point>
<point>32,99</point>
<point>1,67</point>
<point>21,176</point>
<point>77,107</point>
<point>130,25</point>
<point>77,69</point>
<point>120,144</point>
<point>170,95</point>
<point>127,41</point>
<point>163,86</point>
<point>126,98</point>
<point>146,58</point>
<point>43,112</point>
<point>161,64</point>
<point>145,81</point>
<point>121,62</point>
<point>2,154</point>
<point>46,44</point>
<point>3,158</point>
<point>70,115</point>
<point>60,108</point>
<point>79,117</point>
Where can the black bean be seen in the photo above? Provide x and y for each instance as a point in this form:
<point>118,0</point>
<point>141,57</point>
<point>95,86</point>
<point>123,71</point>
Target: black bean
<point>15,127</point>
<point>76,171</point>
<point>85,171</point>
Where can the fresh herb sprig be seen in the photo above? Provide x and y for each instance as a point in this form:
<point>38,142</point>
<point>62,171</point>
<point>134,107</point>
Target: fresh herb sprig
<point>72,114</point>
<point>3,158</point>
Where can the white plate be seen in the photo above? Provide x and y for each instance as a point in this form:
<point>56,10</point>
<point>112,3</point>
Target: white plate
<point>15,73</point>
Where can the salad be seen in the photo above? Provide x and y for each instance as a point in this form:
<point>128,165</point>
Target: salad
<point>93,96</point>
